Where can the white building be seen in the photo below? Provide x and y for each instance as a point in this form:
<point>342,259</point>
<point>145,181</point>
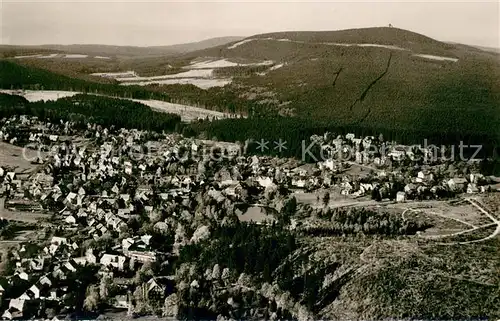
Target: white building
<point>400,197</point>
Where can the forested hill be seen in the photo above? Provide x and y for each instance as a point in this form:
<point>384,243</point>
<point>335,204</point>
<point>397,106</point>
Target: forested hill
<point>15,76</point>
<point>112,51</point>
<point>367,81</point>
<point>375,78</point>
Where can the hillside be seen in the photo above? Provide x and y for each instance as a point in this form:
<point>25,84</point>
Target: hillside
<point>490,49</point>
<point>378,77</point>
<point>114,51</point>
<point>200,45</point>
<point>371,80</point>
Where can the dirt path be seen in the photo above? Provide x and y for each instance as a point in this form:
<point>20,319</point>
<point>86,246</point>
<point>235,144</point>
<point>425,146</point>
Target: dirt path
<point>475,203</point>
<point>440,215</point>
<point>493,218</point>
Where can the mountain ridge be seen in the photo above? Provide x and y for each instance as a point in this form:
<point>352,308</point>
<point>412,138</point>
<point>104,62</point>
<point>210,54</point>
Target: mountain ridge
<point>372,77</point>
<point>114,50</point>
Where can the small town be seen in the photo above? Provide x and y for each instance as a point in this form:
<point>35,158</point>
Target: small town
<point>108,211</point>
<point>249,160</point>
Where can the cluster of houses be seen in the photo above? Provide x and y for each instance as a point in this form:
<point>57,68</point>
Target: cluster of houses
<point>112,192</point>
<point>398,172</point>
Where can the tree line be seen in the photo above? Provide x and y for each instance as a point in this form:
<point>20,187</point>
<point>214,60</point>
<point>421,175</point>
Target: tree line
<point>14,76</point>
<point>244,248</point>
<point>83,109</point>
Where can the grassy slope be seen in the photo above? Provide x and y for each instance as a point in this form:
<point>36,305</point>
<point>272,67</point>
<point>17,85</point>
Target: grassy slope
<point>404,278</point>
<point>432,282</point>
<point>75,68</point>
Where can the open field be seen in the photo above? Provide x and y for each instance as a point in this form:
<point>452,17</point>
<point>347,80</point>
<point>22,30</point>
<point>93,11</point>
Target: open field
<point>40,95</point>
<point>200,74</point>
<point>465,215</point>
<point>17,157</point>
<point>187,113</point>
<point>336,200</point>
<point>22,216</point>
<point>27,217</point>
<point>463,223</point>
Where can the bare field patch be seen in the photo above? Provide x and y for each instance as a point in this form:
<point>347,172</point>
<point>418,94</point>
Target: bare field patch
<point>467,213</point>
<point>23,216</point>
<point>463,212</point>
<point>187,113</point>
<point>15,157</point>
<point>441,225</point>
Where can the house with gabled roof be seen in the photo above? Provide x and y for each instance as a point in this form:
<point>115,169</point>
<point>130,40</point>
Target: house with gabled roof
<point>61,272</point>
<point>15,310</point>
<point>45,281</point>
<point>70,199</point>
<point>71,265</point>
<point>70,220</point>
<point>115,261</point>
<point>155,289</point>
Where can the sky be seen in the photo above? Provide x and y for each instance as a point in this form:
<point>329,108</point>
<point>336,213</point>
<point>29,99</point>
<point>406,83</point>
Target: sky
<point>151,23</point>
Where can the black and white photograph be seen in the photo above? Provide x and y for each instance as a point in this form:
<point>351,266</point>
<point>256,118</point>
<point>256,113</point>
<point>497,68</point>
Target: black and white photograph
<point>249,160</point>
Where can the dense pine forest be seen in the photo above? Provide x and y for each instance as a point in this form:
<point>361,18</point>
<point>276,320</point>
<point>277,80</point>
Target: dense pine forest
<point>295,132</point>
